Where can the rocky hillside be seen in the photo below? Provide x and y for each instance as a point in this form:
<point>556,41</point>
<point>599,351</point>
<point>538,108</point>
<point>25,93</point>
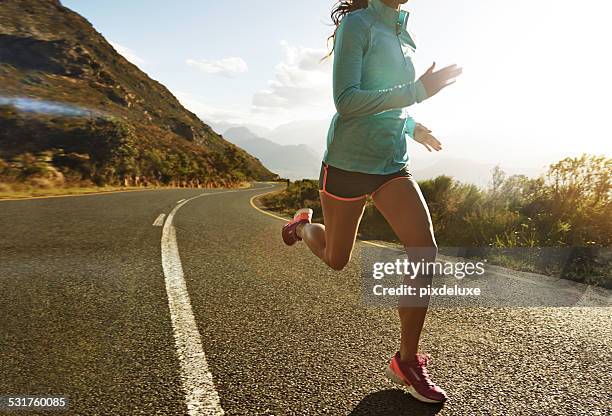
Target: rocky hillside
<point>72,110</point>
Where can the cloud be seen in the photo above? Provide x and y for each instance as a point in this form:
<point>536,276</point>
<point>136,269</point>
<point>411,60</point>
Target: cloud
<point>301,80</point>
<point>227,67</point>
<point>211,112</point>
<point>300,89</point>
<point>127,53</point>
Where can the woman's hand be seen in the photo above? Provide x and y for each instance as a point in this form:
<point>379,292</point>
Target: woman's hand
<point>435,81</point>
<point>423,135</point>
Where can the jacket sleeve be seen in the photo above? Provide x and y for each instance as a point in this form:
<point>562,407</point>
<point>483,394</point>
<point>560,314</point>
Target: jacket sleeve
<point>349,46</point>
<point>410,126</point>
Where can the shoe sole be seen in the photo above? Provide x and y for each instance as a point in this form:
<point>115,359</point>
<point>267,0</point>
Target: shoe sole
<point>285,241</point>
<point>394,378</point>
<point>298,212</point>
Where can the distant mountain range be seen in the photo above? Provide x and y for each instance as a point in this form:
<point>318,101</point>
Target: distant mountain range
<point>272,147</point>
<point>222,126</point>
<point>312,133</point>
<point>69,101</point>
<point>289,161</point>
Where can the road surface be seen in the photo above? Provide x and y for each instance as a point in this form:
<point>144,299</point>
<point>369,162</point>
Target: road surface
<point>97,305</point>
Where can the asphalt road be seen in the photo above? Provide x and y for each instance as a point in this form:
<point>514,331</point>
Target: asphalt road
<point>85,313</point>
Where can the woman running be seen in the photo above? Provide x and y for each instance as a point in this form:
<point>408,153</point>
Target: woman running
<point>373,83</point>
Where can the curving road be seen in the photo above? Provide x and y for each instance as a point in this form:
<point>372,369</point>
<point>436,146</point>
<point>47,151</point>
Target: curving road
<point>126,313</point>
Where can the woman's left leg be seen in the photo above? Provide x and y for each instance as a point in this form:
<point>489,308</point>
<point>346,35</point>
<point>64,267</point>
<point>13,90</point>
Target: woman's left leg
<point>402,204</point>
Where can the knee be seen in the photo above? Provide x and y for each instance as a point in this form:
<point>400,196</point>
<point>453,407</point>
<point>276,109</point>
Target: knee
<point>338,263</point>
<point>425,242</point>
<point>419,234</point>
<point>426,248</point>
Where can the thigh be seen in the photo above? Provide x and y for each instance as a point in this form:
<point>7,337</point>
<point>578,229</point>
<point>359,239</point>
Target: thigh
<point>342,220</point>
<point>402,204</point>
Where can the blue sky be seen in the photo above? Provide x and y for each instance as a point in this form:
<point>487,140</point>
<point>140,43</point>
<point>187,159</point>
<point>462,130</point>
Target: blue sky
<point>164,36</point>
<point>535,87</point>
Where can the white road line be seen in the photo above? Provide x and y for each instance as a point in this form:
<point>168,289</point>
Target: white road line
<point>178,202</point>
<point>159,221</point>
<point>196,379</point>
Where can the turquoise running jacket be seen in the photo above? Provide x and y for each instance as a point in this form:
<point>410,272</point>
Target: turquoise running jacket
<point>373,83</point>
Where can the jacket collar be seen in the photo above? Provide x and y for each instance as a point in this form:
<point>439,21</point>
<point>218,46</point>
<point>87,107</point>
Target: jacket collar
<point>397,19</point>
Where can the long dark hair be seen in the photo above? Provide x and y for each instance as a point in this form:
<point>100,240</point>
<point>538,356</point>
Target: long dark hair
<point>341,9</point>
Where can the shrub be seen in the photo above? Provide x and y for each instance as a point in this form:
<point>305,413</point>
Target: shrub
<point>569,207</point>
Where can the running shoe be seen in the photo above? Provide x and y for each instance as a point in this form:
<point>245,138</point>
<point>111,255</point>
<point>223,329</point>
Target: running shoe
<point>413,375</point>
<point>289,233</point>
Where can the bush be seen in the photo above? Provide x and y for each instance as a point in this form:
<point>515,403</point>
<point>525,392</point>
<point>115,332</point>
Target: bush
<point>569,207</point>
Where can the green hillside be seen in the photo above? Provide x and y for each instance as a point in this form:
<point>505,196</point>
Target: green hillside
<point>74,111</point>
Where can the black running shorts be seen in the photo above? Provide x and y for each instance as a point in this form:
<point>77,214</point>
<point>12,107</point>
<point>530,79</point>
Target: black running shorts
<point>352,186</point>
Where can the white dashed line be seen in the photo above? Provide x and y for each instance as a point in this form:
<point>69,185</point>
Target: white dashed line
<point>159,221</point>
<point>196,379</point>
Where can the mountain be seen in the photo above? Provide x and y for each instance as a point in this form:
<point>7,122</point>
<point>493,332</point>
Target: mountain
<point>222,126</point>
<point>72,107</point>
<point>290,161</point>
<point>312,133</point>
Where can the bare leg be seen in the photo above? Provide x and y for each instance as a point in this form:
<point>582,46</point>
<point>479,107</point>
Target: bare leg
<point>403,206</point>
<point>333,242</point>
<point>313,236</point>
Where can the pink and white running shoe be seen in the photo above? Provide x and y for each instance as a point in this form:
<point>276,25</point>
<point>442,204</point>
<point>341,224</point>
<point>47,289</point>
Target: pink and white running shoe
<point>289,234</point>
<point>413,375</point>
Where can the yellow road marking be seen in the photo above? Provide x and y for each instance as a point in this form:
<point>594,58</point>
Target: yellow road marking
<point>83,194</point>
<point>101,193</point>
<point>252,202</point>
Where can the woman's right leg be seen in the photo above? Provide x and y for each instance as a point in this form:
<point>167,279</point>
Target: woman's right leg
<point>333,242</point>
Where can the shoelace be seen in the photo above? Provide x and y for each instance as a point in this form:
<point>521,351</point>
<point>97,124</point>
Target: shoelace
<point>421,364</point>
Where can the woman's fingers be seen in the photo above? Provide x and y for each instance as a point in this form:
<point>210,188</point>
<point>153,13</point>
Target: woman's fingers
<point>435,81</point>
<point>447,84</point>
<point>433,146</point>
<point>423,135</point>
<point>433,142</point>
<point>451,69</point>
<point>449,73</point>
<point>430,142</point>
<point>448,68</point>
<point>431,68</point>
